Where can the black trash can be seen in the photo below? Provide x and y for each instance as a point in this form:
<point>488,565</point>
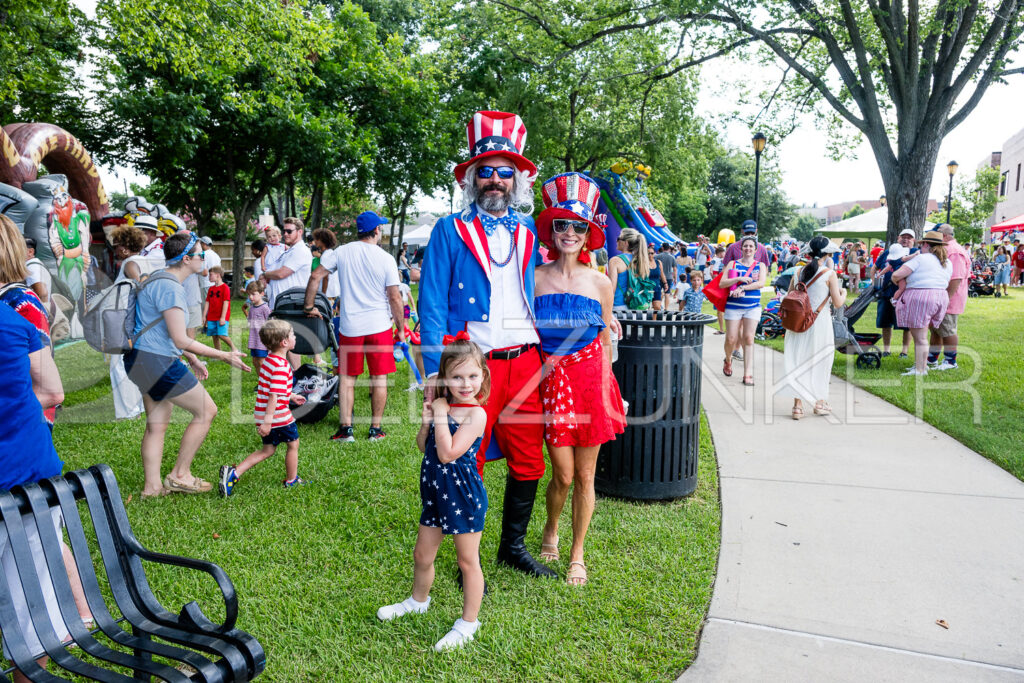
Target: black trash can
<point>659,375</point>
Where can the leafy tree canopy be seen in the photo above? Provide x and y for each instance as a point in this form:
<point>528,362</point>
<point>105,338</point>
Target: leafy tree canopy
<point>973,202</point>
<point>730,197</point>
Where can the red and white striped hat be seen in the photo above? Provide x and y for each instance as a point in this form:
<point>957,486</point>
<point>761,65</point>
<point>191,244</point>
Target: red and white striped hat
<point>573,196</point>
<point>493,133</point>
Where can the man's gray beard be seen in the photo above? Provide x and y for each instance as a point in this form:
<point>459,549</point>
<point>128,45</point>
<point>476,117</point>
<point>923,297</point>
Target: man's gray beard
<point>493,204</point>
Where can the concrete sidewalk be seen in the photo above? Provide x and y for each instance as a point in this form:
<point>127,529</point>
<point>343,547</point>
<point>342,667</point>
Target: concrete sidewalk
<point>846,538</point>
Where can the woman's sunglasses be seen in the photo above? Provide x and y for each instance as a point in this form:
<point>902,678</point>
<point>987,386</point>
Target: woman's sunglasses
<point>561,225</point>
<point>504,172</point>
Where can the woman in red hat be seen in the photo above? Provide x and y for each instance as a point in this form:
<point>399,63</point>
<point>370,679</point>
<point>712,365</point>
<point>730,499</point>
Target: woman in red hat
<point>582,404</point>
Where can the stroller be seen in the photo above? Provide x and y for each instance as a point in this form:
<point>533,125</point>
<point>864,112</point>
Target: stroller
<point>851,342</point>
<point>981,283</point>
<point>312,335</point>
<point>770,325</point>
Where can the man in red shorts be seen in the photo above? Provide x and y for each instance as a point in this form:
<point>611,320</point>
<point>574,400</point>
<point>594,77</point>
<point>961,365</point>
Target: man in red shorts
<point>478,276</point>
<point>369,301</point>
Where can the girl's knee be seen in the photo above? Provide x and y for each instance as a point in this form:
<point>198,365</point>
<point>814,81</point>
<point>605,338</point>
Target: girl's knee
<point>422,557</point>
<point>469,563</point>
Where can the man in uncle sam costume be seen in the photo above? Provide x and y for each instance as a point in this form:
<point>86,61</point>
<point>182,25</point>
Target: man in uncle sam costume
<point>478,277</point>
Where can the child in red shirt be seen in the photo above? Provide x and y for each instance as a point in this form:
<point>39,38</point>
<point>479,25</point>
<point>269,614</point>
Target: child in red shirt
<point>218,309</point>
<point>276,425</point>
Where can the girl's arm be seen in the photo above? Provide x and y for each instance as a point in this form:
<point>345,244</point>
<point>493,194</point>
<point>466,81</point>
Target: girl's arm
<point>451,447</point>
<point>426,418</point>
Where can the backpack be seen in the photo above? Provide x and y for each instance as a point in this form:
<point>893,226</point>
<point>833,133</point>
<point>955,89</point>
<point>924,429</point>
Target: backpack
<point>108,323</point>
<point>795,308</point>
<point>639,292</point>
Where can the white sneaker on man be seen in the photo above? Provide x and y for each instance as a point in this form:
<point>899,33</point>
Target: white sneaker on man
<point>946,365</point>
<point>461,633</point>
<point>914,371</point>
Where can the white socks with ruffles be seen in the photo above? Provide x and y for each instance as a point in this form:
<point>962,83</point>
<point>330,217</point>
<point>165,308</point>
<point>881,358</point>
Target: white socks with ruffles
<point>400,609</point>
<point>461,633</point>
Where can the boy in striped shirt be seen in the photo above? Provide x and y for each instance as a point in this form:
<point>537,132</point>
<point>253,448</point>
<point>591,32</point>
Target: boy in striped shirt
<point>276,425</point>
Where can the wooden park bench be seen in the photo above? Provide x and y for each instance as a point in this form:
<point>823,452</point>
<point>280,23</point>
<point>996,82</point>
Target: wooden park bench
<point>159,644</point>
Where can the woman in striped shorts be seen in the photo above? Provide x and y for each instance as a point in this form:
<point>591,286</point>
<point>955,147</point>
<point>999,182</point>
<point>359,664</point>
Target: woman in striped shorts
<point>744,278</point>
<point>922,301</point>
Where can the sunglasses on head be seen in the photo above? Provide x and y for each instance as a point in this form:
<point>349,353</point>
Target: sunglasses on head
<point>561,225</point>
<point>504,172</point>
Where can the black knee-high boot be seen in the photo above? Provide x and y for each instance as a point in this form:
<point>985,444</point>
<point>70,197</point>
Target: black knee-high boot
<point>519,497</point>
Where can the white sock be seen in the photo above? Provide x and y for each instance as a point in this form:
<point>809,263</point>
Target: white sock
<point>400,609</point>
<point>461,633</point>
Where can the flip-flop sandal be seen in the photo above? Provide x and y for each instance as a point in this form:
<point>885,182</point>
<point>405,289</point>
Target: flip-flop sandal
<point>176,486</point>
<point>576,577</point>
<point>727,367</point>
<point>549,551</point>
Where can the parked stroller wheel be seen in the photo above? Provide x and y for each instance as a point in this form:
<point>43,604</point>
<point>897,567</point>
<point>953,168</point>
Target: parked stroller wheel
<point>869,361</point>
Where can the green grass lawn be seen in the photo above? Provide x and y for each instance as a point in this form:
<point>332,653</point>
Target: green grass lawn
<point>313,564</point>
<point>979,404</point>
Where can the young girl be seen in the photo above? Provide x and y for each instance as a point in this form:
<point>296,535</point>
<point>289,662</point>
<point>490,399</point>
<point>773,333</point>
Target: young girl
<point>451,490</point>
<point>258,313</point>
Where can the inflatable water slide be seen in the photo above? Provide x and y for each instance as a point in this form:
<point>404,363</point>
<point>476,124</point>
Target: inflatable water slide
<point>625,201</point>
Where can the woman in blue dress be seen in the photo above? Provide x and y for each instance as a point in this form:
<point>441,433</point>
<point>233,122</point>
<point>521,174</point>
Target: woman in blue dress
<point>582,404</point>
<point>451,490</point>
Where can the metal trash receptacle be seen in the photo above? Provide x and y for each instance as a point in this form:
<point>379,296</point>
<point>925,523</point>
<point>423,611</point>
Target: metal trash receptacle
<point>659,375</point>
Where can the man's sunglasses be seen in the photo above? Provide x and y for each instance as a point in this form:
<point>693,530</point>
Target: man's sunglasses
<point>289,231</point>
<point>561,225</point>
<point>504,172</point>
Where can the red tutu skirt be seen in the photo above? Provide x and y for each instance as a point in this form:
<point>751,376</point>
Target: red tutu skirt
<point>582,403</point>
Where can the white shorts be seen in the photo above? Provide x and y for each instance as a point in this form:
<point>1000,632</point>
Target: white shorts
<point>42,573</point>
<point>740,313</point>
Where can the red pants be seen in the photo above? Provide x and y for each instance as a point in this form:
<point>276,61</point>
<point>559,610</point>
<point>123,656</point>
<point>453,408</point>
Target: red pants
<point>515,415</point>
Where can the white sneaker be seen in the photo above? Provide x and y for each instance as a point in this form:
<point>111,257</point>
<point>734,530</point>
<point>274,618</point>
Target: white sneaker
<point>400,609</point>
<point>461,633</point>
<point>946,365</point>
<point>913,371</point>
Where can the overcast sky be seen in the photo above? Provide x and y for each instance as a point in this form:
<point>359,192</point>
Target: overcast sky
<point>808,176</point>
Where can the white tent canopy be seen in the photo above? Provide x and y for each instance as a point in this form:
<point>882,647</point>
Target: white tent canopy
<point>419,236</point>
<point>869,225</point>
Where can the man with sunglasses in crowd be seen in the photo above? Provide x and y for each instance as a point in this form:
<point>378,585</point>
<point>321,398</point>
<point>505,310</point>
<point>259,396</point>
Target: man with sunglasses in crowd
<point>478,278</point>
<point>290,268</point>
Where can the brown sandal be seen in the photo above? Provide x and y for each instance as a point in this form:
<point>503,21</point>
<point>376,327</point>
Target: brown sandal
<point>177,486</point>
<point>576,577</point>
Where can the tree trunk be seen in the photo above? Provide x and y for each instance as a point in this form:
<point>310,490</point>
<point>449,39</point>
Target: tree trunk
<point>396,246</point>
<point>242,216</point>
<point>275,209</point>
<point>292,211</point>
<point>316,204</point>
<point>907,187</point>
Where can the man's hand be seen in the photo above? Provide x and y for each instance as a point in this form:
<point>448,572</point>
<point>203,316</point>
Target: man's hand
<point>315,313</point>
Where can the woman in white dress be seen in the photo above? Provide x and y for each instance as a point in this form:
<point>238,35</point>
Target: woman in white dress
<point>128,241</point>
<point>808,355</point>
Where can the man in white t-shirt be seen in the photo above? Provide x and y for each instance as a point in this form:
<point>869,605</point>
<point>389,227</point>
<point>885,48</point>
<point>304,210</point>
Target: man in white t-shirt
<point>38,278</point>
<point>211,259</point>
<point>368,277</point>
<point>291,267</point>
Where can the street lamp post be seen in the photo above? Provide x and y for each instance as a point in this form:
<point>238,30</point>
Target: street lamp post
<point>951,167</point>
<point>758,141</point>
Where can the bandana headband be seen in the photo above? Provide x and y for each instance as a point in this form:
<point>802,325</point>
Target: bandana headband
<point>192,239</point>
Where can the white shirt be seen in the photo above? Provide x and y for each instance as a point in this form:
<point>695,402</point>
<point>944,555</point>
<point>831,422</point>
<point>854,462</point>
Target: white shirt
<point>928,273</point>
<point>154,251</point>
<point>333,286</point>
<point>509,322</point>
<point>37,272</point>
<point>365,271</point>
<point>272,253</point>
<point>299,259</point>
<point>211,259</point>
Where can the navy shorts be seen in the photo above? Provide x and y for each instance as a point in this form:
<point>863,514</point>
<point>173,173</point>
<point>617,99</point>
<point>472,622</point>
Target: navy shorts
<point>280,435</point>
<point>160,377</point>
<point>886,315</point>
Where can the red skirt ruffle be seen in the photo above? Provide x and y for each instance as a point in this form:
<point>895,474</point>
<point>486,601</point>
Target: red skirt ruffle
<point>582,403</point>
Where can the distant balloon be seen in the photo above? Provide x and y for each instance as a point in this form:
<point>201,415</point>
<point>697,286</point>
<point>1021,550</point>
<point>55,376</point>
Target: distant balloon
<point>726,236</point>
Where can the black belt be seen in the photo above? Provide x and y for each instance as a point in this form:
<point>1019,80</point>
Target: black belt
<point>509,353</point>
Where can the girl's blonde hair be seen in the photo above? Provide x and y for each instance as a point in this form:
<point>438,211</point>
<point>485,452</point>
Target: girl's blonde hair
<point>457,353</point>
<point>637,245</point>
<point>12,252</point>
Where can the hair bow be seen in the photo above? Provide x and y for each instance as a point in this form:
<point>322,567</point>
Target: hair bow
<point>462,335</point>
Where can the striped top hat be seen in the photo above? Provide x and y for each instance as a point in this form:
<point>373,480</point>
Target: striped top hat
<point>493,133</point>
<point>573,196</point>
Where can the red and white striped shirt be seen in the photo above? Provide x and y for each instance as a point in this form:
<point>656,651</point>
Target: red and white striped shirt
<point>275,378</point>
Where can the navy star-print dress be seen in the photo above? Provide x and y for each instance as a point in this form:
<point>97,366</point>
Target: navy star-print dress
<point>453,494</point>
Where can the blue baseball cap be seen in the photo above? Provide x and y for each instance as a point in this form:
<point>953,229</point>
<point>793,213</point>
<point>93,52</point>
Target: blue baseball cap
<point>748,226</point>
<point>368,221</point>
